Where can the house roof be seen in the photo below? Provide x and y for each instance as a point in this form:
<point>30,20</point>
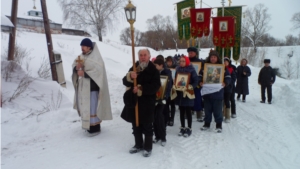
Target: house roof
<point>5,21</point>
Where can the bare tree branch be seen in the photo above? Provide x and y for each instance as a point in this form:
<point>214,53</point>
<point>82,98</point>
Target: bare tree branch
<point>96,16</point>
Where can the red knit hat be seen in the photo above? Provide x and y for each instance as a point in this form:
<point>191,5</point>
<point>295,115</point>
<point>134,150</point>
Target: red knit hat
<point>187,61</point>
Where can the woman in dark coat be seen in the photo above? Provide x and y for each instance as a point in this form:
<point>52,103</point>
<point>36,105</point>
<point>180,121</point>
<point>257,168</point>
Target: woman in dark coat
<point>185,103</point>
<point>242,74</point>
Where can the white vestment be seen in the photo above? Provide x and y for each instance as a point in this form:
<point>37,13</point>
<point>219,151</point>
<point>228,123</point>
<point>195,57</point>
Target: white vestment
<point>95,68</point>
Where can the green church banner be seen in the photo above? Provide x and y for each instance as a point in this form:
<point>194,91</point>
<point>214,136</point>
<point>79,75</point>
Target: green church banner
<point>183,15</point>
<point>237,12</point>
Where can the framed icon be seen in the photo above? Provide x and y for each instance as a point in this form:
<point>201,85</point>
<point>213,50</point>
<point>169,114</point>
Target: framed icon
<point>200,17</point>
<point>185,13</point>
<point>213,73</point>
<point>161,92</point>
<point>223,26</point>
<point>182,80</point>
<point>173,72</point>
<point>197,66</point>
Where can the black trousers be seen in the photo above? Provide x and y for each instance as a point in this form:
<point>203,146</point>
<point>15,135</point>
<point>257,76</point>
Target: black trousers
<point>227,99</point>
<point>232,100</point>
<point>146,129</point>
<point>167,110</point>
<point>159,122</point>
<point>185,110</point>
<point>244,96</point>
<point>269,92</point>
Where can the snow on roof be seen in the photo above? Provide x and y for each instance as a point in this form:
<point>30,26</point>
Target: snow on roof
<point>34,18</point>
<point>5,21</point>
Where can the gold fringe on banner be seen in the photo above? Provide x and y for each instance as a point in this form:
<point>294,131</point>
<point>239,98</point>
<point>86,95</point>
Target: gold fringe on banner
<point>193,42</point>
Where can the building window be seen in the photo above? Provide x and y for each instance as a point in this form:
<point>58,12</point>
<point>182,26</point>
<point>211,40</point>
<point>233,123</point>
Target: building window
<point>36,14</point>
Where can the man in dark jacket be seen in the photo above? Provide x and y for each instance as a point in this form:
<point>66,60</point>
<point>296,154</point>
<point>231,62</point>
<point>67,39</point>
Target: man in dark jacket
<point>193,56</point>
<point>266,79</point>
<point>148,83</point>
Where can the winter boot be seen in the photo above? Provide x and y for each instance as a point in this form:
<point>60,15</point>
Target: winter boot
<point>219,127</point>
<point>199,116</point>
<point>147,146</point>
<point>182,131</point>
<point>156,140</point>
<point>205,127</point>
<point>163,142</point>
<point>227,115</point>
<point>94,130</point>
<point>138,144</point>
<point>233,111</point>
<point>188,132</point>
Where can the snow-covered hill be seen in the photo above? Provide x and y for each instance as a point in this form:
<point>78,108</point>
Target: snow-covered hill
<point>262,136</point>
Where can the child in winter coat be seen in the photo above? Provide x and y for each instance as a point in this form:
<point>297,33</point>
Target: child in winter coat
<point>185,96</point>
<point>159,121</point>
<point>170,63</point>
<point>229,90</point>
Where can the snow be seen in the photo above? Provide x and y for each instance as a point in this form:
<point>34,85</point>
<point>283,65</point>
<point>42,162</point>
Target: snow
<point>5,21</point>
<point>262,135</point>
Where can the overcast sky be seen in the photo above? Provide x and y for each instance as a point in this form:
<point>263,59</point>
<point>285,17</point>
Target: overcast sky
<point>281,12</point>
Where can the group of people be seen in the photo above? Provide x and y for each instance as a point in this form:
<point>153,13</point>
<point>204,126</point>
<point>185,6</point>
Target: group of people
<point>155,103</point>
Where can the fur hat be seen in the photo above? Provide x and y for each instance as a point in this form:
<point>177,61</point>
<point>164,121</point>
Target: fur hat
<point>87,42</point>
<point>267,61</point>
<point>192,49</point>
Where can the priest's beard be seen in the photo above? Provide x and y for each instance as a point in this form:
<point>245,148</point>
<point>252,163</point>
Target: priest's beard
<point>143,65</point>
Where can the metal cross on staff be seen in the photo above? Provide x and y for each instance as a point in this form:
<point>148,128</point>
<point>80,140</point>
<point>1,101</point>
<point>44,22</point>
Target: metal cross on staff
<point>79,61</point>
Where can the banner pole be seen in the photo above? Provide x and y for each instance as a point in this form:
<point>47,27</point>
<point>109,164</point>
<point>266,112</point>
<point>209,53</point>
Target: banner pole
<point>223,4</point>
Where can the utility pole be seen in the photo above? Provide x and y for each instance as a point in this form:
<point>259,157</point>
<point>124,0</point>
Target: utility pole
<point>12,35</point>
<point>49,40</point>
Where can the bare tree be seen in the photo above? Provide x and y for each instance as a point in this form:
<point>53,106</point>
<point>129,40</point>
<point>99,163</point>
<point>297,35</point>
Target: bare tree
<point>97,16</point>
<point>255,25</point>
<point>296,20</point>
<point>291,40</point>
<point>125,37</point>
<point>157,24</point>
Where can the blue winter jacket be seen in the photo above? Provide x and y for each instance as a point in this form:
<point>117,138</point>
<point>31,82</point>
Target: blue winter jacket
<point>194,80</point>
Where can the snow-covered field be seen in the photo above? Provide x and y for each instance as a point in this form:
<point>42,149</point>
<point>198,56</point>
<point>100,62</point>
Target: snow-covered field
<point>261,137</point>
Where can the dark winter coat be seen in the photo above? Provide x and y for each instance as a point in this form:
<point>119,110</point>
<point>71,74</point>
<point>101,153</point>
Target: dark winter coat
<point>149,79</point>
<point>185,101</point>
<point>242,86</point>
<point>266,76</point>
<point>230,88</point>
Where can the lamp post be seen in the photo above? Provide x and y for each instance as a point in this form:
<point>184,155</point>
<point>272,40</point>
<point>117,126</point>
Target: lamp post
<point>130,12</point>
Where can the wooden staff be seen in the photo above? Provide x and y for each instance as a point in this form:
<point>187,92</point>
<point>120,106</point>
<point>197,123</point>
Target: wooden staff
<point>134,69</point>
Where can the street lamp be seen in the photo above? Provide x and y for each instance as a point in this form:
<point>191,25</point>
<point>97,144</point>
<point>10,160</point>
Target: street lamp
<point>130,12</point>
